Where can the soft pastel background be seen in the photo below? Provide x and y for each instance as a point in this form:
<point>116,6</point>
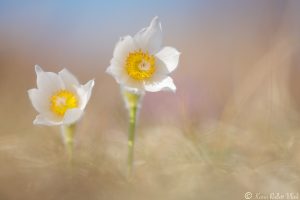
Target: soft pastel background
<point>232,126</point>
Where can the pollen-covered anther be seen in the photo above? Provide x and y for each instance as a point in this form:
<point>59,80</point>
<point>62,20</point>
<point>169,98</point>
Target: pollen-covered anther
<point>61,101</point>
<point>140,65</point>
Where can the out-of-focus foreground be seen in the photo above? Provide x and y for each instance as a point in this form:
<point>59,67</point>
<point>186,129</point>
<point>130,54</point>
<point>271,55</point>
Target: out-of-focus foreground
<point>232,127</point>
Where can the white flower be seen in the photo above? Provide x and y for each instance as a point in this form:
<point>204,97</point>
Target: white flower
<point>139,63</point>
<point>59,98</point>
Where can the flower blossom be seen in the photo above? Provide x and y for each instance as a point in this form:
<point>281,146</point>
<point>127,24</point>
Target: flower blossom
<point>59,98</point>
<point>140,63</point>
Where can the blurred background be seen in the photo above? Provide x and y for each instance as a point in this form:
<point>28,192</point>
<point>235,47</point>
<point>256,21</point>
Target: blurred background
<point>232,126</point>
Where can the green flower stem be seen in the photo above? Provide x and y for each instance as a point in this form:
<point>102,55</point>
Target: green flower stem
<point>132,101</point>
<point>68,136</point>
<point>131,136</point>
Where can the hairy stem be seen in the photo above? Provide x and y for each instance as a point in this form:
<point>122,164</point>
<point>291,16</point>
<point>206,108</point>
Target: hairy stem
<point>131,136</point>
<point>68,136</point>
<point>132,101</point>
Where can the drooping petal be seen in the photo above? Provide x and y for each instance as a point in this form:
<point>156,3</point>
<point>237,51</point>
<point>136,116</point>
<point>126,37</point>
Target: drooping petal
<point>163,84</point>
<point>39,100</point>
<point>150,38</point>
<point>68,78</point>
<point>170,57</point>
<point>72,116</point>
<point>48,80</point>
<point>42,120</point>
<point>122,49</point>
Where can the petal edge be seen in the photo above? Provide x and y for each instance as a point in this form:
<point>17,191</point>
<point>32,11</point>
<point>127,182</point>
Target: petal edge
<point>170,57</point>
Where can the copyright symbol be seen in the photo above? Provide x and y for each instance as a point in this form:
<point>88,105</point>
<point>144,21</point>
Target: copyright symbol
<point>248,195</point>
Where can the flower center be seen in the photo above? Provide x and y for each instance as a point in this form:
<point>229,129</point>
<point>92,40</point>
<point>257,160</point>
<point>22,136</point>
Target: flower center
<point>139,65</point>
<point>61,101</point>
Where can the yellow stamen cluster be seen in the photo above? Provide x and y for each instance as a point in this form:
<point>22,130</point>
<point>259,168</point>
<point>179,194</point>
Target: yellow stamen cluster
<point>61,101</point>
<point>140,65</point>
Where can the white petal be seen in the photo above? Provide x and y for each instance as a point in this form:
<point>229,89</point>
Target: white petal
<point>84,93</point>
<point>122,49</point>
<point>150,38</point>
<point>72,116</point>
<point>164,84</point>
<point>38,69</point>
<point>68,78</point>
<point>42,120</point>
<point>161,68</point>
<point>170,57</point>
<point>134,85</point>
<point>118,73</point>
<point>48,80</point>
<point>114,71</point>
<point>134,90</point>
<point>39,100</point>
<point>88,87</point>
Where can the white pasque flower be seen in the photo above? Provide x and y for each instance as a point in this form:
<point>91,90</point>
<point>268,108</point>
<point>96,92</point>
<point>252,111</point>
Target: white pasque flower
<point>59,98</point>
<point>140,64</point>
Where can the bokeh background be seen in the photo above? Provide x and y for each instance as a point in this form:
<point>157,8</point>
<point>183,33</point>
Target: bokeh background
<point>232,126</point>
